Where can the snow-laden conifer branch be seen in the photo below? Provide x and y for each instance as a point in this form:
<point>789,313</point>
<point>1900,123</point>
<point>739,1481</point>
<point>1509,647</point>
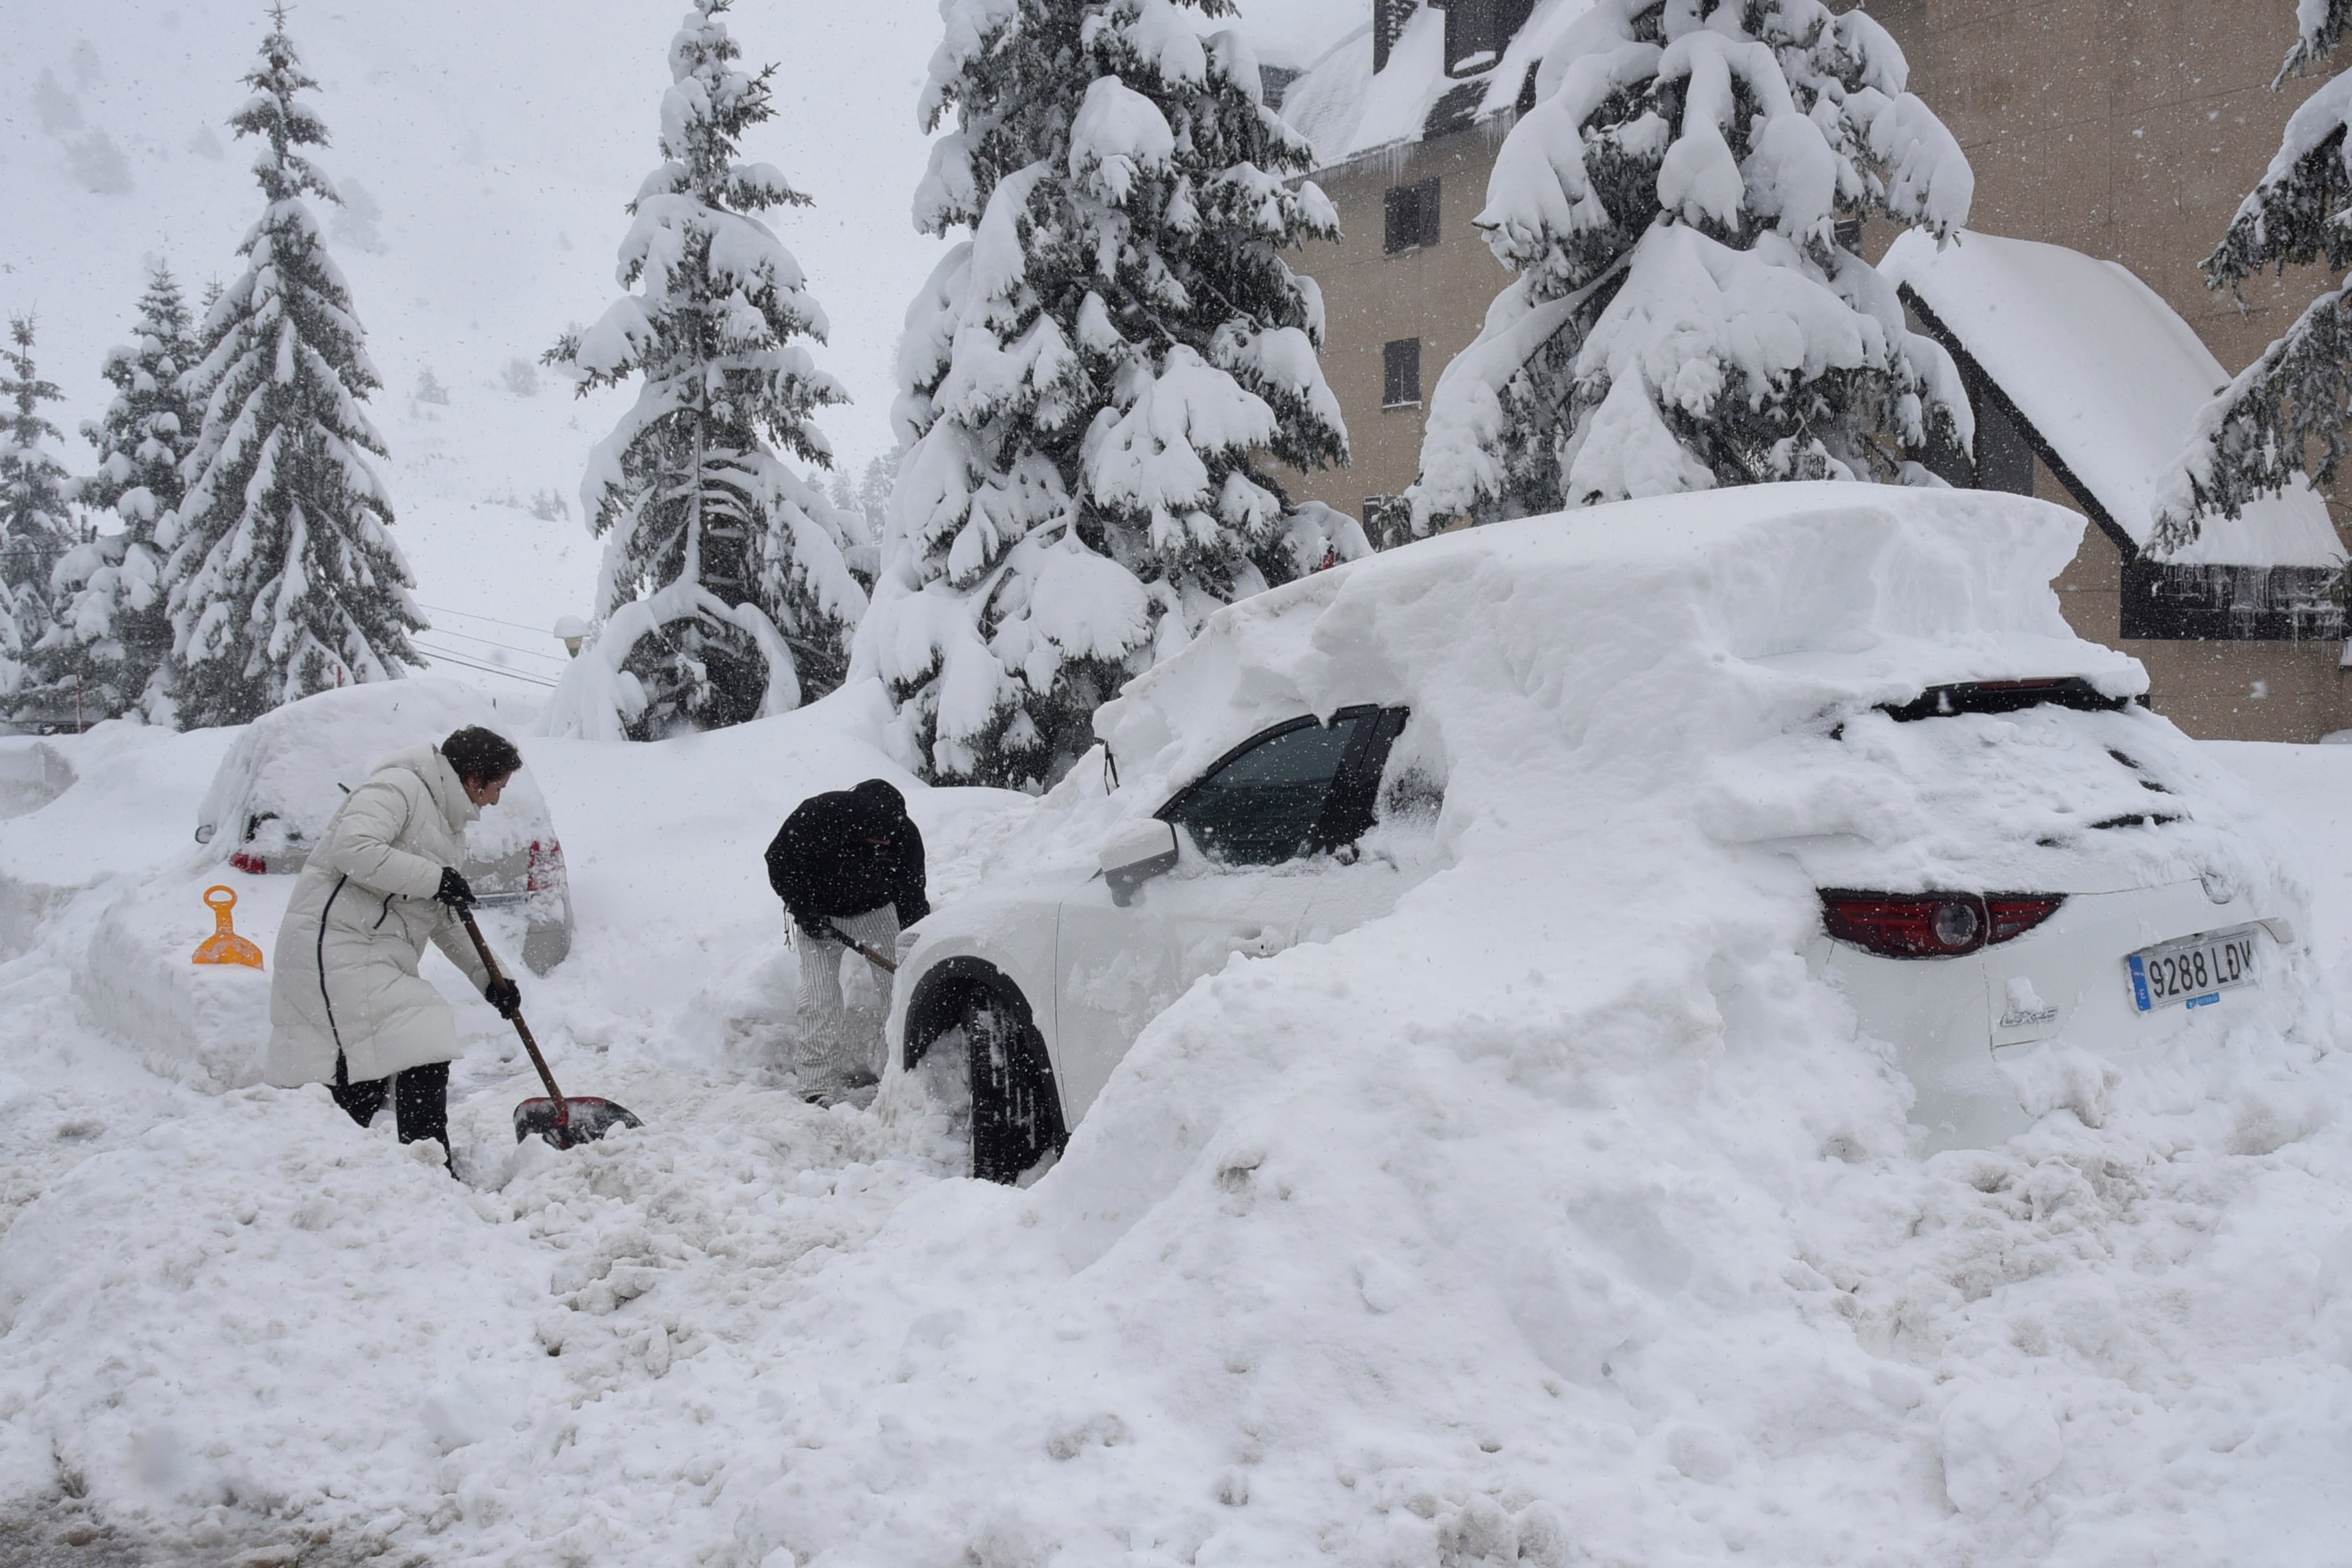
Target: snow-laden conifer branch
<point>104,656</point>
<point>1091,379</point>
<point>2283,414</point>
<point>281,577</point>
<point>1685,314</point>
<point>725,590</point>
<point>37,525</point>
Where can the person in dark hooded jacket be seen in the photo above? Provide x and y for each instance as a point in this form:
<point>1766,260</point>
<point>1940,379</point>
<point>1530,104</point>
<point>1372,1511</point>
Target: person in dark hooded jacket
<point>847,862</point>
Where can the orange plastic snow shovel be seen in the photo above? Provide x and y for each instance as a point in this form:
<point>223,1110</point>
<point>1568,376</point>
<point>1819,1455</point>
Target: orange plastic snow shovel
<point>562,1122</point>
<point>225,946</point>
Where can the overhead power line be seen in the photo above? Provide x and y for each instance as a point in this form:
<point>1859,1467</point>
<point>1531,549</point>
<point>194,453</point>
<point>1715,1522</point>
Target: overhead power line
<point>477,615</point>
<point>443,656</point>
<point>493,642</point>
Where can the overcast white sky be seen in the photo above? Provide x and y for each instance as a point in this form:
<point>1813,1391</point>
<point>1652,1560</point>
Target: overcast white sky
<point>496,148</point>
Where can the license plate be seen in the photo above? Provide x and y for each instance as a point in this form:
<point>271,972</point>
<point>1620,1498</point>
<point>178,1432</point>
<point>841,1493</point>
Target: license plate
<point>2193,971</point>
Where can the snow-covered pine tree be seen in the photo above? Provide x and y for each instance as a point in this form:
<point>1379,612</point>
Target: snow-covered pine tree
<point>2284,413</point>
<point>1091,379</point>
<point>37,525</point>
<point>281,577</point>
<point>112,635</point>
<point>1685,315</point>
<point>724,590</point>
<point>874,493</point>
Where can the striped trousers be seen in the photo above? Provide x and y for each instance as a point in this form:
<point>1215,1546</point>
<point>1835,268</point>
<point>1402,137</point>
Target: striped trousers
<point>825,1045</point>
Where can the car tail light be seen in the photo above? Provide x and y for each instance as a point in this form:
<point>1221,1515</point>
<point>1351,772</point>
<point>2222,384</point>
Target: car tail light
<point>2014,914</point>
<point>546,865</point>
<point>1906,925</point>
<point>1931,925</point>
<point>252,865</point>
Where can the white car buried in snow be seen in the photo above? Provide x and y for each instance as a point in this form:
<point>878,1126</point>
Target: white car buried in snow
<point>285,776</point>
<point>1648,746</point>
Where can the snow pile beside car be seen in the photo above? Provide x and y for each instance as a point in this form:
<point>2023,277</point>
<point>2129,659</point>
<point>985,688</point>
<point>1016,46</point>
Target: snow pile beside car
<point>1558,1219</point>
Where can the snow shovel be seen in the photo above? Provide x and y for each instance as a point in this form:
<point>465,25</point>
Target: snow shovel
<point>862,950</point>
<point>562,1122</point>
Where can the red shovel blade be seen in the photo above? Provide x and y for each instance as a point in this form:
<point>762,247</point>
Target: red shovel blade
<point>567,1123</point>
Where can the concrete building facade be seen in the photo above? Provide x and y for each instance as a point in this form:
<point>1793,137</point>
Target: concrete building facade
<point>2129,132</point>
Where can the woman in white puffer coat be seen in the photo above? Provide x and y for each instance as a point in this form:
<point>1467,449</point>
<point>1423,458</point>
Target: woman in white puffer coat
<point>347,1006</point>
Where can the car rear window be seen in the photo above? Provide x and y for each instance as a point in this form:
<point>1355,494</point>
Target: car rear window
<point>2049,773</point>
<point>2005,697</point>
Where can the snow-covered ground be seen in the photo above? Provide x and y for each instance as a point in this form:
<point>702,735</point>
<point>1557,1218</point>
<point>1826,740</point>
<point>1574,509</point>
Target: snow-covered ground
<point>1509,1281</point>
<point>1387,1317</point>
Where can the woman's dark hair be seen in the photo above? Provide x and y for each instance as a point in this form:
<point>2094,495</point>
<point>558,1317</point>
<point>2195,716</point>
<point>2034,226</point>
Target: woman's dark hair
<point>480,755</point>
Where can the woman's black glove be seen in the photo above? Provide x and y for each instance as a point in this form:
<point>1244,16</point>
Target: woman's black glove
<point>453,892</point>
<point>505,995</point>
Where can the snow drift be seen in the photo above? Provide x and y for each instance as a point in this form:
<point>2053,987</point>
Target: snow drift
<point>1560,1217</point>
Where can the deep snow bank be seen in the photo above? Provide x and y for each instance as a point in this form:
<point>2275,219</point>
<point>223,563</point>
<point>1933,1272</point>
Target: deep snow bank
<point>1562,1215</point>
<point>81,812</point>
<point>342,1271</point>
<point>1558,1219</point>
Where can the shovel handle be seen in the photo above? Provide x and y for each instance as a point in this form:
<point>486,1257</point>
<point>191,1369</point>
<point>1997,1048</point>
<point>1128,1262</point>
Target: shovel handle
<point>490,962</point>
<point>864,952</point>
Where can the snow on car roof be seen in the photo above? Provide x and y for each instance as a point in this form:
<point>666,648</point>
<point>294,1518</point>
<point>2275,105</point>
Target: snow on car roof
<point>2108,374</point>
<point>1687,636</point>
<point>1861,594</point>
<point>295,762</point>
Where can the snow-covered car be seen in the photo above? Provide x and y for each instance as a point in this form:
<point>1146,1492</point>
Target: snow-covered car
<point>283,778</point>
<point>1843,723</point>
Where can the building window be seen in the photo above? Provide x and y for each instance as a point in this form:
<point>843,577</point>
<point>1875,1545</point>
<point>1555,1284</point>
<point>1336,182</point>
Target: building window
<point>1411,216</point>
<point>2230,604</point>
<point>1389,17</point>
<point>1455,110</point>
<point>1478,31</point>
<point>1387,521</point>
<point>1400,373</point>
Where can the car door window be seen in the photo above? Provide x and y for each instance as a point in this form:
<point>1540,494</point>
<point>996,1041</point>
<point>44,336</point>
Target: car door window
<point>1266,802</point>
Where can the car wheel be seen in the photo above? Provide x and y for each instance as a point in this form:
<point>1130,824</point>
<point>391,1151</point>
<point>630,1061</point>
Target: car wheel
<point>1016,1111</point>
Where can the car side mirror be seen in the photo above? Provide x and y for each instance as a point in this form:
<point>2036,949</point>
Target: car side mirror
<point>1135,854</point>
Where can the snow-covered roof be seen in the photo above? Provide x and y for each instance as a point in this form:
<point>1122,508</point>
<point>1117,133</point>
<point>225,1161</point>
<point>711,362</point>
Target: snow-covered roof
<point>1345,107</point>
<point>2108,376</point>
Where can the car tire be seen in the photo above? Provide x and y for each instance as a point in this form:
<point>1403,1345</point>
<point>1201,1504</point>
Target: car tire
<point>1017,1109</point>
